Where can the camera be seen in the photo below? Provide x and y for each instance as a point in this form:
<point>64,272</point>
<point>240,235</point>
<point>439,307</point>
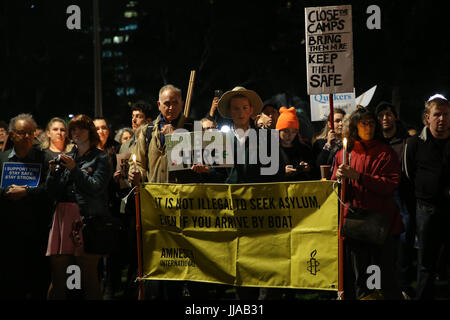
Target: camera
<point>300,167</point>
<point>57,161</point>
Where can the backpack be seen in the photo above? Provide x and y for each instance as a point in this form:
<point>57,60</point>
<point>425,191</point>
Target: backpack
<point>148,138</point>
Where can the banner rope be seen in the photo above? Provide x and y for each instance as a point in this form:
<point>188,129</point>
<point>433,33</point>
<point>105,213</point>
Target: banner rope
<point>139,279</point>
<point>339,198</point>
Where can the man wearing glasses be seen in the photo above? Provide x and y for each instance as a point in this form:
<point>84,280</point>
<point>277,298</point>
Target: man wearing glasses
<point>26,214</point>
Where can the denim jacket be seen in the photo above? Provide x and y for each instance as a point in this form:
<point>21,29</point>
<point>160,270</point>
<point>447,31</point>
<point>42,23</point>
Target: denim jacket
<point>86,184</point>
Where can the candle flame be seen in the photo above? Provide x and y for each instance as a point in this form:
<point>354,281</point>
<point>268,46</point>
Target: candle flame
<point>134,158</point>
<point>345,143</point>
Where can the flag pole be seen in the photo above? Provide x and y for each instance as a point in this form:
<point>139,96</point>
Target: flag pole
<point>139,243</point>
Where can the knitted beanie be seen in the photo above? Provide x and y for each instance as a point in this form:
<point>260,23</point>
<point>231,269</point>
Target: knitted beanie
<point>287,119</point>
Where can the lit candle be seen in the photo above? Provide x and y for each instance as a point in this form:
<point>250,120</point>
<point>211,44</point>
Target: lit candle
<point>134,162</point>
<point>344,152</point>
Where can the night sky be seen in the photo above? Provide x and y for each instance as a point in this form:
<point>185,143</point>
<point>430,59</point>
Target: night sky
<point>48,70</point>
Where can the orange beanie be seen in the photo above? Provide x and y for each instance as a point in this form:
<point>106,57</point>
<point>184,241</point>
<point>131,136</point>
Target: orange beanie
<point>287,119</point>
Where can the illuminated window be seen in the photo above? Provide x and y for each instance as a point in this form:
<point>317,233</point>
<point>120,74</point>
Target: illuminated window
<point>127,37</point>
<point>130,14</point>
<point>106,41</point>
<point>118,39</point>
<point>131,91</point>
<point>120,91</point>
<point>118,53</point>
<point>131,4</point>
<point>107,54</point>
<point>129,27</point>
<point>120,68</point>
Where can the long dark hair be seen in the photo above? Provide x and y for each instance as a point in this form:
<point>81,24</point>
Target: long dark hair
<point>355,117</point>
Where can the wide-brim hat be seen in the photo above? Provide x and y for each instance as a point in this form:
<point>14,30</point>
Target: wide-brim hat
<point>253,98</point>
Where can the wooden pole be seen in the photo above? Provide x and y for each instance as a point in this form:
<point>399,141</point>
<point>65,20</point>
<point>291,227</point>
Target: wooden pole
<point>187,105</point>
<point>331,111</point>
<point>139,244</point>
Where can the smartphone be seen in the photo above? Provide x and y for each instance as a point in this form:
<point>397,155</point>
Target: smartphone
<point>218,93</point>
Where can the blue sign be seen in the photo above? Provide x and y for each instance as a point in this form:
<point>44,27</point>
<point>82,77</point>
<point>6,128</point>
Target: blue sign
<point>21,174</point>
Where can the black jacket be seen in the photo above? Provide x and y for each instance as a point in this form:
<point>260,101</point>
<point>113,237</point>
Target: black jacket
<point>86,184</point>
<point>25,225</point>
<point>323,156</point>
<point>293,156</point>
<point>427,165</point>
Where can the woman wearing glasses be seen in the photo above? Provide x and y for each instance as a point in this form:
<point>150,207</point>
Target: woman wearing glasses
<point>372,172</point>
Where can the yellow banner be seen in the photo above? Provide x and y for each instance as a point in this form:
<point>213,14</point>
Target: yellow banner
<point>264,235</point>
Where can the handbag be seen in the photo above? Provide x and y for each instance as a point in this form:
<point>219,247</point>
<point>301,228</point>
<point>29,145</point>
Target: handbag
<point>366,225</point>
<point>101,234</point>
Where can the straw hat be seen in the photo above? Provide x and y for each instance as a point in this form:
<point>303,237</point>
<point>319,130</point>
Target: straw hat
<point>253,97</point>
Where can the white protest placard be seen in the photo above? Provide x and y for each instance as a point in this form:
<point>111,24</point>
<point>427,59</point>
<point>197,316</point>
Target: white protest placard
<point>329,49</point>
<point>365,98</point>
<point>320,104</point>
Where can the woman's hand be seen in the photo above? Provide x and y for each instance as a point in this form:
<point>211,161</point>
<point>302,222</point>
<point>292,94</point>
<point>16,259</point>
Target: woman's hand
<point>289,169</point>
<point>331,137</point>
<point>68,162</point>
<point>201,168</point>
<point>52,166</point>
<point>345,171</point>
<point>117,176</point>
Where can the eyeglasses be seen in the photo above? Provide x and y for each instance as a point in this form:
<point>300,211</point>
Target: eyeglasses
<point>366,123</point>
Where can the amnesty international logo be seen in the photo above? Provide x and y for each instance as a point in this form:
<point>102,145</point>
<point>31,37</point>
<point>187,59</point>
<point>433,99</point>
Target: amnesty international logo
<point>313,264</point>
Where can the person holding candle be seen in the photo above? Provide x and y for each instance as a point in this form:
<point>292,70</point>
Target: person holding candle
<point>151,166</point>
<point>372,173</point>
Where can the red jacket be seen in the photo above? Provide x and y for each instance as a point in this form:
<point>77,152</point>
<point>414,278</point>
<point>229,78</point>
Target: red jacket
<point>380,172</point>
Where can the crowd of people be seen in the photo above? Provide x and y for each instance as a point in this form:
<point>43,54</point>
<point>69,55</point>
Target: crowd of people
<point>403,175</point>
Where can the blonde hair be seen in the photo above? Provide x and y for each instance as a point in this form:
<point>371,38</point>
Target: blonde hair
<point>46,143</point>
<point>435,101</point>
<point>324,133</point>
